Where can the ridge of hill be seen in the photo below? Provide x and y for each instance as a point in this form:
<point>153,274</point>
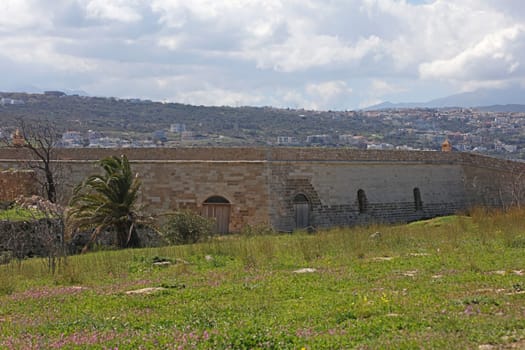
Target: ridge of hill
<point>249,125</point>
<point>508,99</point>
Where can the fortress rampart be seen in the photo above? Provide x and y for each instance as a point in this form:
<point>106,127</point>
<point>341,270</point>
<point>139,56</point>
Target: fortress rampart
<point>14,183</point>
<point>290,188</point>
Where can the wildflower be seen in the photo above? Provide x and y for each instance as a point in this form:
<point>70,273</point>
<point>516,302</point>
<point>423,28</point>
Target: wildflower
<point>384,299</point>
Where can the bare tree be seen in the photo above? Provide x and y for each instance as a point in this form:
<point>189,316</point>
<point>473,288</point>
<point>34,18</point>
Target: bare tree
<point>41,141</point>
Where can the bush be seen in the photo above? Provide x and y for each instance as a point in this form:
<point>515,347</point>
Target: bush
<point>188,227</point>
<point>257,230</point>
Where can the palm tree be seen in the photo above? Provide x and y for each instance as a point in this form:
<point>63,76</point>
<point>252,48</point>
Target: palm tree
<point>107,201</point>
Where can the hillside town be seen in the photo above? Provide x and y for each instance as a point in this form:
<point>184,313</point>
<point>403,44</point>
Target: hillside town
<point>127,123</point>
<point>494,133</point>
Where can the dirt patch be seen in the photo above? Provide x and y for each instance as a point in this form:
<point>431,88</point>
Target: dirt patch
<point>515,345</point>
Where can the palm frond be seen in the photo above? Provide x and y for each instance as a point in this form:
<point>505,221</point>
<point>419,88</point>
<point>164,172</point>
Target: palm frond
<point>107,200</point>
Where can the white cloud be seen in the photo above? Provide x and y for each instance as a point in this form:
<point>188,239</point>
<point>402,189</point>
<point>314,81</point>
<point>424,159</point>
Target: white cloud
<point>172,42</point>
<point>301,53</point>
<point>497,55</point>
<point>217,96</point>
<point>473,85</point>
<point>369,102</point>
<point>325,94</point>
<point>380,87</point>
<point>329,89</point>
<point>18,14</point>
<point>43,54</point>
<point>116,10</point>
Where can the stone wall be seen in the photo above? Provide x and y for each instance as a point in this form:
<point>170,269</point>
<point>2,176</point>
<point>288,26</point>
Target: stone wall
<point>14,183</point>
<point>261,183</point>
<point>187,185</point>
<point>389,189</point>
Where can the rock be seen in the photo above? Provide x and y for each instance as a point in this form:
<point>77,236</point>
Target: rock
<point>411,273</point>
<point>147,291</point>
<point>383,258</point>
<point>376,235</point>
<point>305,270</point>
<point>419,254</point>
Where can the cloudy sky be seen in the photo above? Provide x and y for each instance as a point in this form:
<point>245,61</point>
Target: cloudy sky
<point>316,54</point>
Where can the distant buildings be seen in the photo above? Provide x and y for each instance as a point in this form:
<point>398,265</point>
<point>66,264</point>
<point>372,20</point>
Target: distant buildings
<point>286,140</point>
<point>353,140</point>
<point>72,139</point>
<point>380,146</point>
<point>177,128</point>
<point>187,136</point>
<point>159,136</point>
<point>10,101</point>
<point>319,139</point>
<point>18,139</point>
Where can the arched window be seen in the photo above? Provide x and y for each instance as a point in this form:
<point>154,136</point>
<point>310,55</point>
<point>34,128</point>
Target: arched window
<point>216,200</point>
<point>418,203</point>
<point>362,202</point>
<point>301,206</point>
<point>218,208</point>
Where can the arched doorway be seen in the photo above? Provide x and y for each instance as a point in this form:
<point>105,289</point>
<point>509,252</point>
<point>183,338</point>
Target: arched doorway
<point>218,208</point>
<point>301,206</point>
<point>418,203</point>
<point>362,201</point>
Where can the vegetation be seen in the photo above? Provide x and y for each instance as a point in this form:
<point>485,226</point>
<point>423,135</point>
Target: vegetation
<point>22,214</point>
<point>453,282</point>
<point>107,201</point>
<point>188,227</point>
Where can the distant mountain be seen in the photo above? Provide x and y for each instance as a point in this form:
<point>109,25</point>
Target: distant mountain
<point>503,108</point>
<point>492,99</point>
<point>390,105</point>
<point>76,92</point>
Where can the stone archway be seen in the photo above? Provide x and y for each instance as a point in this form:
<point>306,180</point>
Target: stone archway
<point>218,209</point>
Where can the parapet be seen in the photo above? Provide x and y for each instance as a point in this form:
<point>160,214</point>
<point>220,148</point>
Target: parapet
<point>271,154</point>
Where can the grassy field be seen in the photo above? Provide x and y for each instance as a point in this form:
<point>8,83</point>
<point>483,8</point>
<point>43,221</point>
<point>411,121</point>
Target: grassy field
<point>21,214</point>
<point>455,282</point>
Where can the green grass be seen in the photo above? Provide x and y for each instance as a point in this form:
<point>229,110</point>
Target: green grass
<point>452,282</point>
<point>21,214</point>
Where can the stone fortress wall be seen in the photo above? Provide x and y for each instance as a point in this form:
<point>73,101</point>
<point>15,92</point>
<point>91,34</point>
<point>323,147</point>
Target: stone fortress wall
<point>290,188</point>
<point>14,183</point>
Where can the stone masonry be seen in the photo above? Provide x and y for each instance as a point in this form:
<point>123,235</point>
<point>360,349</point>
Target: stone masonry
<point>261,186</point>
<point>14,183</point>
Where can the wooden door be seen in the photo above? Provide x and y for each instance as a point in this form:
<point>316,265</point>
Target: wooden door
<point>302,214</point>
<point>220,213</point>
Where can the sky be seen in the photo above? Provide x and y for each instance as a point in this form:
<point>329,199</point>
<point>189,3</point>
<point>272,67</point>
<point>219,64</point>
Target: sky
<point>312,54</point>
